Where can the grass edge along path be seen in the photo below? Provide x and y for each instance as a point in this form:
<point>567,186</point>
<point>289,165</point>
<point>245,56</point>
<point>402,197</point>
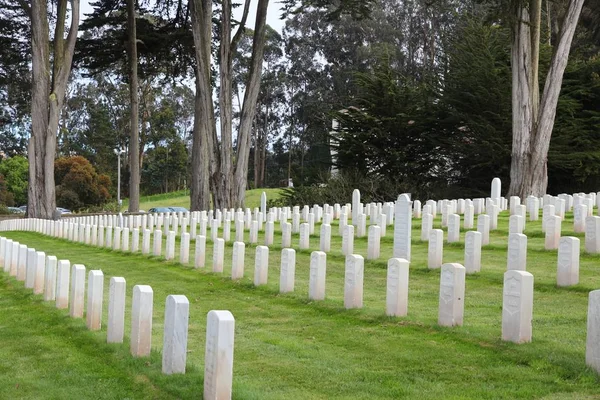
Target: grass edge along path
<point>429,362</point>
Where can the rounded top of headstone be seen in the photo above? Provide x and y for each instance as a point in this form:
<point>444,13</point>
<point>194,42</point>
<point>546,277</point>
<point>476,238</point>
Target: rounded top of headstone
<point>177,298</point>
<point>452,265</point>
<point>404,197</point>
<point>515,272</point>
<point>221,315</point>
<point>143,288</point>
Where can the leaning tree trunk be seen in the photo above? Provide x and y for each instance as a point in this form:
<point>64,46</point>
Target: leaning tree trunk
<point>134,136</point>
<point>48,89</point>
<point>249,106</point>
<point>532,131</point>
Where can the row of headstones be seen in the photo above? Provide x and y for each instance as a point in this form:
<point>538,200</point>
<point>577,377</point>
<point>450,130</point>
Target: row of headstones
<point>119,239</point>
<point>288,258</point>
<point>567,260</point>
<point>57,281</point>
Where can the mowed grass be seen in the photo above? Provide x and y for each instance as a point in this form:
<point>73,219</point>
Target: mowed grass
<point>182,199</point>
<point>287,347</point>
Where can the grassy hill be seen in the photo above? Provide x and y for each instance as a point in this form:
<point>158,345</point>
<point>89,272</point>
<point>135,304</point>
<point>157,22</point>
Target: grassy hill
<point>287,347</point>
<point>182,199</point>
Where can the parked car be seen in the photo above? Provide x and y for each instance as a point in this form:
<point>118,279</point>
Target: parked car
<point>160,210</point>
<point>16,210</point>
<point>63,210</point>
<point>23,208</point>
<point>179,209</point>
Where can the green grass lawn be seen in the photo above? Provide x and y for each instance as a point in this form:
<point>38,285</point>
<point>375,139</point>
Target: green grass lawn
<point>182,199</point>
<point>287,347</point>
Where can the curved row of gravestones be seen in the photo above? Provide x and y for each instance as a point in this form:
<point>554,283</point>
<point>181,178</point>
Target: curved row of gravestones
<point>59,282</point>
<point>517,292</point>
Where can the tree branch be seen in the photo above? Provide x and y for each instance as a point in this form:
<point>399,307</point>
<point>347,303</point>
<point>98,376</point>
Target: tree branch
<point>241,28</point>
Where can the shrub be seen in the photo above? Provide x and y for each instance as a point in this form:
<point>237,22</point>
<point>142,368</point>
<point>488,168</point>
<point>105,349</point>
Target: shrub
<point>78,184</point>
<point>16,174</point>
<point>339,190</point>
<point>6,197</point>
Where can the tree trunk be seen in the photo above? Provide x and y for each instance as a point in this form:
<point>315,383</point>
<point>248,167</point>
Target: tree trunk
<point>48,93</point>
<point>249,107</point>
<point>256,157</point>
<point>134,137</point>
<point>204,162</point>
<point>225,176</point>
<point>532,132</point>
<point>263,148</point>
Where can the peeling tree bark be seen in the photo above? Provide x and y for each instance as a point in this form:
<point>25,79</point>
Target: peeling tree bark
<point>48,87</point>
<point>532,125</point>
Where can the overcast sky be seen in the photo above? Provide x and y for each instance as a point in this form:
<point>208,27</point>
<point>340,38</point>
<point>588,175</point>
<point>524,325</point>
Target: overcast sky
<point>272,15</point>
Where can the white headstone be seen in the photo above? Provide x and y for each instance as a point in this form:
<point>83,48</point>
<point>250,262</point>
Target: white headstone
<point>396,304</point>
<point>426,226</point>
<point>356,206</point>
<point>286,234</point>
<point>579,217</point>
<point>146,242</point>
<point>373,244</point>
<point>304,236</point>
<point>517,306</point>
<point>517,252</point>
<point>353,281</point>
<point>63,284</point>
<point>218,357</point>
<point>469,217</point>
<point>141,321</point>
<point>567,272</point>
<point>348,240</point>
<point>452,295</point>
<point>453,228</point>
<point>288,271</point>
<point>170,254</point>
<point>116,310</point>
<point>515,224</point>
<point>77,291</point>
<point>483,226</point>
<point>174,354</point>
<point>184,248</point>
<point>28,271</point>
<point>39,272</point>
<point>402,227</point>
<point>325,239</point>
<point>219,254</point>
<point>496,189</point>
<point>261,265</point>
<point>50,279</point>
<point>592,348</point>
<point>200,253</point>
<point>237,260</point>
<point>552,232</point>
<point>435,249</point>
<point>472,252</point>
<point>316,285</point>
<point>94,300</point>
<point>157,244</point>
<point>592,235</point>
